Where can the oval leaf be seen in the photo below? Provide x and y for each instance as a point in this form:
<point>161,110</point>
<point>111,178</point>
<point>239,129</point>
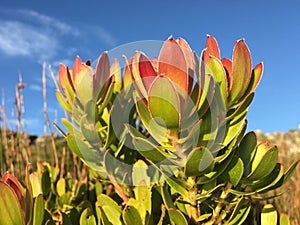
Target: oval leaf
<point>269,215</point>
<point>10,213</point>
<point>176,217</point>
<point>163,102</point>
<point>132,216</point>
<point>241,66</point>
<point>38,213</point>
<point>263,163</point>
<point>240,212</point>
<point>199,161</point>
<point>234,171</point>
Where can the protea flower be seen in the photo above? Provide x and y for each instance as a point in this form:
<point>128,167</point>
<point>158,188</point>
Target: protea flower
<point>165,84</point>
<point>83,82</point>
<point>236,84</point>
<point>236,78</point>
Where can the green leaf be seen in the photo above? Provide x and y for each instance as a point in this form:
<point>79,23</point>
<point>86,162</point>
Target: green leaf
<point>234,171</point>
<point>263,163</point>
<point>199,161</point>
<point>255,78</point>
<point>62,101</point>
<point>110,163</point>
<point>179,186</point>
<point>142,202</point>
<point>70,94</point>
<point>268,181</point>
<point>208,190</point>
<point>268,215</point>
<point>233,127</point>
<point>139,174</point>
<point>265,198</point>
<point>243,107</point>
<point>87,217</point>
<point>90,155</point>
<point>89,132</point>
<point>204,217</point>
<point>207,94</point>
<point>176,217</point>
<point>216,69</point>
<point>85,87</point>
<point>284,219</point>
<point>72,143</point>
<point>10,213</point>
<point>241,66</point>
<point>102,74</point>
<point>246,150</point>
<point>45,182</point>
<point>105,100</point>
<point>157,131</point>
<point>38,213</point>
<point>143,196</point>
<point>61,187</point>
<point>150,151</point>
<point>131,216</point>
<point>110,208</point>
<point>216,172</point>
<point>35,184</point>
<point>166,196</point>
<point>101,214</point>
<point>91,111</point>
<point>210,124</point>
<point>287,175</point>
<point>111,136</point>
<point>240,212</point>
<point>163,93</point>
<point>70,127</point>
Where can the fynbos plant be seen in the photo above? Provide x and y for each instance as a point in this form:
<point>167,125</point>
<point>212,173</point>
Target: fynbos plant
<point>169,134</point>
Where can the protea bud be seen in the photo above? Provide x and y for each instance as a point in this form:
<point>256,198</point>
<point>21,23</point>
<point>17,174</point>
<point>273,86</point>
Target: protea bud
<point>165,85</point>
<point>82,84</point>
<point>236,77</point>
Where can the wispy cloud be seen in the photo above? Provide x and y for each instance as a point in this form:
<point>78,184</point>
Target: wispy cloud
<point>47,21</point>
<point>20,39</point>
<point>35,87</point>
<point>27,33</point>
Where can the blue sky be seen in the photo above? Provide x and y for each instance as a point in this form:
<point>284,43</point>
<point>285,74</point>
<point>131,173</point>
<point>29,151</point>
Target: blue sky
<point>33,32</point>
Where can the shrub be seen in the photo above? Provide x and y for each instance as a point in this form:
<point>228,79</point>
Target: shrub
<point>166,138</point>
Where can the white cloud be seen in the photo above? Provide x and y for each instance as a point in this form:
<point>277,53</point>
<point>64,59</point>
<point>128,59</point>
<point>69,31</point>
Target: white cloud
<point>27,33</point>
<point>47,21</point>
<point>35,87</point>
<point>20,39</point>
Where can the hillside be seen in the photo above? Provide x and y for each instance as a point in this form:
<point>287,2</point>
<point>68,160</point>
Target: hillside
<point>287,142</point>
